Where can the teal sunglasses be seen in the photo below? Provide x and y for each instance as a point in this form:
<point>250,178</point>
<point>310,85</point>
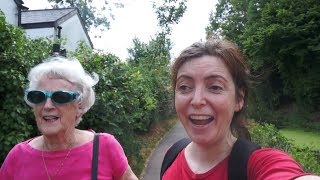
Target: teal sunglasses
<point>57,97</point>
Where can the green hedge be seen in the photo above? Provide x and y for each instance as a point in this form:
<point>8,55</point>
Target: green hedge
<point>17,55</point>
<point>267,135</point>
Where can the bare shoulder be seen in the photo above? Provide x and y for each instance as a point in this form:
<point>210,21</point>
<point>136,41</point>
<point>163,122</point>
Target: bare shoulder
<point>36,143</point>
<point>83,136</point>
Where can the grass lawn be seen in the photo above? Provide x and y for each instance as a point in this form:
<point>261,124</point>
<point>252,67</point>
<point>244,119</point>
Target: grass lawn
<point>303,137</point>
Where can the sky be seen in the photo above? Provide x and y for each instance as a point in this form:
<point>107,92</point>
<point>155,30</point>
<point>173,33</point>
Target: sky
<point>138,19</point>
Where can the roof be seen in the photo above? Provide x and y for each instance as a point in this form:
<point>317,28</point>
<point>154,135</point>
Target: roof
<point>19,2</point>
<point>44,18</point>
<point>20,5</point>
<point>48,17</point>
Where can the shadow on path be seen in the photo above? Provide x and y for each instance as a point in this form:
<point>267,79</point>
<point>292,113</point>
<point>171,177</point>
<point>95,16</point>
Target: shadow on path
<point>152,170</point>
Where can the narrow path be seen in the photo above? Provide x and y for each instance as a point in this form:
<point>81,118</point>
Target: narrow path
<point>152,171</point>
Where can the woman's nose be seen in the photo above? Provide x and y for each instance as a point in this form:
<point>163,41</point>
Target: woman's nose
<point>198,99</point>
<point>48,103</point>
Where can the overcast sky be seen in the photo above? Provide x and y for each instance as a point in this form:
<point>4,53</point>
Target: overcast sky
<point>137,19</point>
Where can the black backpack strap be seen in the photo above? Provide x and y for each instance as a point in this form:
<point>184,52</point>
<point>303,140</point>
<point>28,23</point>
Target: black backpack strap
<point>95,155</point>
<point>172,153</point>
<point>238,161</point>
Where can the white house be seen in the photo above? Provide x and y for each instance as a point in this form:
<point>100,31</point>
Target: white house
<point>51,23</point>
<point>10,9</point>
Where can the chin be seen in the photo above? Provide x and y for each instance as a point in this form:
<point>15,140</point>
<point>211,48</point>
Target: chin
<point>205,139</point>
<point>200,139</point>
<point>49,131</point>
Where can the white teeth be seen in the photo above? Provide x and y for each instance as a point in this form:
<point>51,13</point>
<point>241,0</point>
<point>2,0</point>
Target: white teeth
<point>50,118</point>
<point>202,117</point>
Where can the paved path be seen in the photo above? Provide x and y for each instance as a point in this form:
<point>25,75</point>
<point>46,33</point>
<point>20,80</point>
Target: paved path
<point>152,171</point>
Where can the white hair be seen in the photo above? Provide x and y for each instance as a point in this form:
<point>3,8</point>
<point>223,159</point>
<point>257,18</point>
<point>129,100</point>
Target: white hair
<point>70,70</point>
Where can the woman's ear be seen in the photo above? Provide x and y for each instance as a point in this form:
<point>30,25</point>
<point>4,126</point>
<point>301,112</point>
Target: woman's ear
<point>240,101</point>
<point>79,110</point>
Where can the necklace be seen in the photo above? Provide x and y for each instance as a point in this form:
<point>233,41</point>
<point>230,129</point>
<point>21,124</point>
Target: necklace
<point>61,164</point>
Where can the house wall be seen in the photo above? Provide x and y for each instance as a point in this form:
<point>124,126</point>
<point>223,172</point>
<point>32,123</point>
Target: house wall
<point>73,31</point>
<point>9,8</point>
<point>40,32</point>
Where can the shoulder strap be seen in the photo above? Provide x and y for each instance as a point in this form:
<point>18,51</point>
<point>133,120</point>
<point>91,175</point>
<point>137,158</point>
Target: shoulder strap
<point>95,155</point>
<point>172,153</point>
<point>238,161</point>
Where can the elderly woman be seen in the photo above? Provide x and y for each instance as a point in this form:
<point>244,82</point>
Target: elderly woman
<point>211,82</point>
<point>60,92</point>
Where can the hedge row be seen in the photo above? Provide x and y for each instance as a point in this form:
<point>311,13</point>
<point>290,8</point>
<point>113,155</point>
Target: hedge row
<point>267,135</point>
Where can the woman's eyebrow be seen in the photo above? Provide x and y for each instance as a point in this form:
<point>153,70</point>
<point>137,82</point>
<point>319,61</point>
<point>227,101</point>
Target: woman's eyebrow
<point>183,76</point>
<point>216,76</point>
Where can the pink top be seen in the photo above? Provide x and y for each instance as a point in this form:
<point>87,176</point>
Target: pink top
<point>25,162</point>
<point>263,164</point>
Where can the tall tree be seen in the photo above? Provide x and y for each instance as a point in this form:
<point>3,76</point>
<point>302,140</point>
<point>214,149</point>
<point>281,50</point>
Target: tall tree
<point>89,12</point>
<point>285,38</point>
<point>229,19</point>
<point>169,13</point>
<point>151,60</point>
<point>281,38</point>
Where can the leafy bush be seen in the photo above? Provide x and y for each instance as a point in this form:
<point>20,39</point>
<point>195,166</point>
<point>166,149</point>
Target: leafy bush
<point>309,158</point>
<point>151,60</point>
<point>17,55</point>
<point>267,135</point>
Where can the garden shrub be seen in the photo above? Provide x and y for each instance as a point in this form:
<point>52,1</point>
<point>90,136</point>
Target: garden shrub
<point>152,61</point>
<point>17,55</point>
<point>127,99</point>
<point>308,158</point>
<point>267,135</point>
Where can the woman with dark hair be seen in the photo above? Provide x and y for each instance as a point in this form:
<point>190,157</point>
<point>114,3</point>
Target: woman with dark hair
<point>211,83</point>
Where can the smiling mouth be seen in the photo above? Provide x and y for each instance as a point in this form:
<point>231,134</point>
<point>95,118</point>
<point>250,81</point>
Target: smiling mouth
<point>201,120</point>
<point>50,118</point>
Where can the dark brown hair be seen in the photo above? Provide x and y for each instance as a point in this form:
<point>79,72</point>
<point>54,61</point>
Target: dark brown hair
<point>236,63</point>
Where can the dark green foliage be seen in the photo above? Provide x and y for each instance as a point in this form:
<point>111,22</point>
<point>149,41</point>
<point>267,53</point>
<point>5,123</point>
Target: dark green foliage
<point>309,158</point>
<point>267,135</point>
<point>17,56</point>
<point>286,40</point>
<point>281,39</point>
<point>150,62</point>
